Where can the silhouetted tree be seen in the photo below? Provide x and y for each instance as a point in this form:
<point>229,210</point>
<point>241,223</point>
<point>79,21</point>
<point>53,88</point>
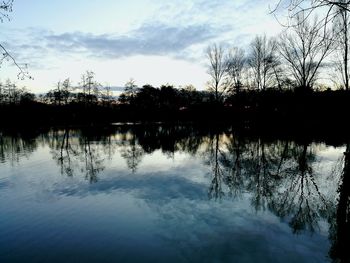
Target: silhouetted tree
<point>341,33</point>
<point>236,61</point>
<point>148,97</point>
<point>107,96</point>
<point>10,94</point>
<point>123,99</point>
<point>130,90</point>
<point>188,96</point>
<point>90,88</point>
<point>304,51</point>
<point>168,97</point>
<point>27,97</point>
<point>217,70</point>
<point>66,90</point>
<point>2,93</point>
<point>330,9</point>
<point>262,61</point>
<point>56,96</point>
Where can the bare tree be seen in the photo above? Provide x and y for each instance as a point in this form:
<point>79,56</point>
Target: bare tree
<point>308,7</point>
<point>217,70</point>
<point>90,87</point>
<point>66,90</point>
<point>333,13</point>
<point>131,90</point>
<point>304,50</point>
<point>341,32</point>
<point>262,61</point>
<point>2,93</point>
<point>58,93</point>
<point>107,96</point>
<point>61,94</point>
<point>5,10</point>
<point>11,94</point>
<point>236,61</point>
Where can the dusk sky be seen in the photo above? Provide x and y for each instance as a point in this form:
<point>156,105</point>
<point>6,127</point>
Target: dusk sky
<point>152,41</point>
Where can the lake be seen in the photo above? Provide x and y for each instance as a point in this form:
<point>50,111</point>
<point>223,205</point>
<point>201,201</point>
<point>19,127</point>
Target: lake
<point>171,193</point>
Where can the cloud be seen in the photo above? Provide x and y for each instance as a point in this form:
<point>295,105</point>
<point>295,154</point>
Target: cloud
<point>148,39</point>
<point>27,47</point>
<point>180,31</point>
<point>156,187</point>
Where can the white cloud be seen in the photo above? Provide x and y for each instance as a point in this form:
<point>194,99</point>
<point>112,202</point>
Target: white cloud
<point>169,38</point>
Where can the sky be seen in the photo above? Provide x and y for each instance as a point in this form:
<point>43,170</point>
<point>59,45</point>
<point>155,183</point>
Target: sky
<point>152,41</point>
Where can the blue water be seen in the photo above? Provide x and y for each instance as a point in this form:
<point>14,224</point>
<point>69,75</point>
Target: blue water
<point>126,196</point>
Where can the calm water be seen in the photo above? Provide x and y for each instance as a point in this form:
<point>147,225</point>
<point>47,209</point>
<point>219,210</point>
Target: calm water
<point>169,194</point>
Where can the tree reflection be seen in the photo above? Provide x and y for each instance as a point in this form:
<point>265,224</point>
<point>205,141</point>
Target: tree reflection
<point>262,181</point>
<point>65,157</point>
<point>215,189</point>
<point>75,153</point>
<point>340,230</point>
<point>14,146</point>
<point>62,151</point>
<point>133,153</point>
<point>93,162</point>
<point>280,175</point>
<point>234,163</point>
<point>300,197</point>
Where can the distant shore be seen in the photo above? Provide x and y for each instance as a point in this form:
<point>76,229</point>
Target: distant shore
<point>329,109</point>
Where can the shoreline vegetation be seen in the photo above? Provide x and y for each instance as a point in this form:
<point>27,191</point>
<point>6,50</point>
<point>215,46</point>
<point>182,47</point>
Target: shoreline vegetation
<point>318,116</point>
<point>326,109</point>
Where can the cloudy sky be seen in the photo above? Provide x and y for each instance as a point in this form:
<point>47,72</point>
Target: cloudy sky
<point>152,41</point>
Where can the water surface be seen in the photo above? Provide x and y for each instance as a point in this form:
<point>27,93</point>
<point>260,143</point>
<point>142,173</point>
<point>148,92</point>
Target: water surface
<point>169,194</point>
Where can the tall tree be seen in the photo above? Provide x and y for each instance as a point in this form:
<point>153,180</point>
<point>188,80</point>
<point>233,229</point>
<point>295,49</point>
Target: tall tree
<point>90,87</point>
<point>304,49</point>
<point>2,94</point>
<point>107,96</point>
<point>130,90</point>
<point>61,94</point>
<point>341,32</point>
<point>262,61</point>
<point>66,90</point>
<point>217,71</point>
<point>236,61</point>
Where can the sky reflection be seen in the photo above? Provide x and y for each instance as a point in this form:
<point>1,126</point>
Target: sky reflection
<point>165,209</point>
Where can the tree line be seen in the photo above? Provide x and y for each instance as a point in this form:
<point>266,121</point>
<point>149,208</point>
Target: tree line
<point>291,61</point>
<point>88,92</point>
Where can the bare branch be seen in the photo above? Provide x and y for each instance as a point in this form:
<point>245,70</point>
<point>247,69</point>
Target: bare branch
<point>22,70</point>
<point>304,51</point>
<point>5,9</point>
